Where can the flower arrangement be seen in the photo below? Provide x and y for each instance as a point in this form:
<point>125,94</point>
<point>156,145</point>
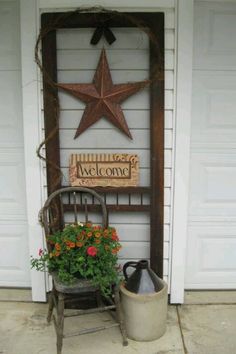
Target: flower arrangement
<point>82,251</point>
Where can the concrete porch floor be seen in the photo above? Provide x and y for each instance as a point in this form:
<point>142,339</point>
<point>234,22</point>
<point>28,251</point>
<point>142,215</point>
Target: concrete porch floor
<point>192,329</point>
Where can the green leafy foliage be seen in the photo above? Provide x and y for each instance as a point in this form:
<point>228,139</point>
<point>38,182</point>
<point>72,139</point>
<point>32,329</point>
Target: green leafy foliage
<point>82,251</point>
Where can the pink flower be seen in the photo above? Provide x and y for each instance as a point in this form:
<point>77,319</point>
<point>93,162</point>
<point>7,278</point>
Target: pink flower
<point>92,251</point>
<point>40,252</point>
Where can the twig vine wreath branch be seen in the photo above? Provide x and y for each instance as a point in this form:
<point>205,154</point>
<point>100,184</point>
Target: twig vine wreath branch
<point>96,12</point>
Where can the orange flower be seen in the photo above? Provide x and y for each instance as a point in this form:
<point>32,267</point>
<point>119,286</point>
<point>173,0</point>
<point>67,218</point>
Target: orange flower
<point>114,237</point>
<point>97,227</point>
<point>72,244</point>
<point>88,224</point>
<point>79,244</point>
<point>89,234</point>
<point>57,246</point>
<point>97,241</point>
<point>97,234</point>
<point>57,254</point>
<point>114,251</point>
<point>105,232</point>
<point>80,236</point>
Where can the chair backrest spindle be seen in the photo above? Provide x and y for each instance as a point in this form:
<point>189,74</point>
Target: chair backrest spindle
<point>69,199</point>
<point>86,209</point>
<point>75,207</point>
<point>62,211</point>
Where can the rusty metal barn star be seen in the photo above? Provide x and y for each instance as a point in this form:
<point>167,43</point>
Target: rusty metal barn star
<point>103,98</point>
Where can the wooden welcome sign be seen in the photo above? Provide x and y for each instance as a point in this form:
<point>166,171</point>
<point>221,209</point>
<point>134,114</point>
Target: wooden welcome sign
<point>115,170</point>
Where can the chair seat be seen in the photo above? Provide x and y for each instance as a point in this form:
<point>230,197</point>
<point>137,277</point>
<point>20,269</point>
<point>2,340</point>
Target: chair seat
<point>80,286</point>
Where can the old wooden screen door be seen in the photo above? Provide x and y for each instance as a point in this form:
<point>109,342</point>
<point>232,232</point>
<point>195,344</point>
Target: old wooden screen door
<point>154,23</point>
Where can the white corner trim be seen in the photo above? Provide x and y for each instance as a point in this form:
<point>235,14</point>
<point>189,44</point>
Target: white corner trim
<point>30,94</point>
<point>182,147</point>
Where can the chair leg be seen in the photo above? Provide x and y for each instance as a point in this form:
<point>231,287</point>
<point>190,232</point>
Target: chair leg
<point>120,316</point>
<point>50,305</point>
<point>60,322</point>
<point>99,299</point>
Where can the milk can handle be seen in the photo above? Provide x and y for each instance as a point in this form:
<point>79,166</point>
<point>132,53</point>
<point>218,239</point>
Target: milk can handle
<point>126,265</point>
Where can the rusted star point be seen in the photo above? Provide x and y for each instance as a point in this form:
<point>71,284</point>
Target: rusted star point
<point>103,98</point>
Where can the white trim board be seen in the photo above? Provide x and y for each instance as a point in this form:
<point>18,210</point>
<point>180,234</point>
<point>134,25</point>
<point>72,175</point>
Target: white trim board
<point>31,120</point>
<point>182,147</point>
<point>222,1</point>
<point>139,5</point>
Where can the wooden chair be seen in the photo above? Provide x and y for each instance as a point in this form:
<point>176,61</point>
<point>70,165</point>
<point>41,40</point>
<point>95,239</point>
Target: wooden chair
<point>64,203</point>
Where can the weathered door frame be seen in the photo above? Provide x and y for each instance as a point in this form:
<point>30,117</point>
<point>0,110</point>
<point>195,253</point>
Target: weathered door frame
<point>154,22</point>
<point>32,118</point>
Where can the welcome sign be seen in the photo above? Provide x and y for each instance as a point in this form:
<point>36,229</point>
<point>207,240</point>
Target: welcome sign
<point>115,170</point>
